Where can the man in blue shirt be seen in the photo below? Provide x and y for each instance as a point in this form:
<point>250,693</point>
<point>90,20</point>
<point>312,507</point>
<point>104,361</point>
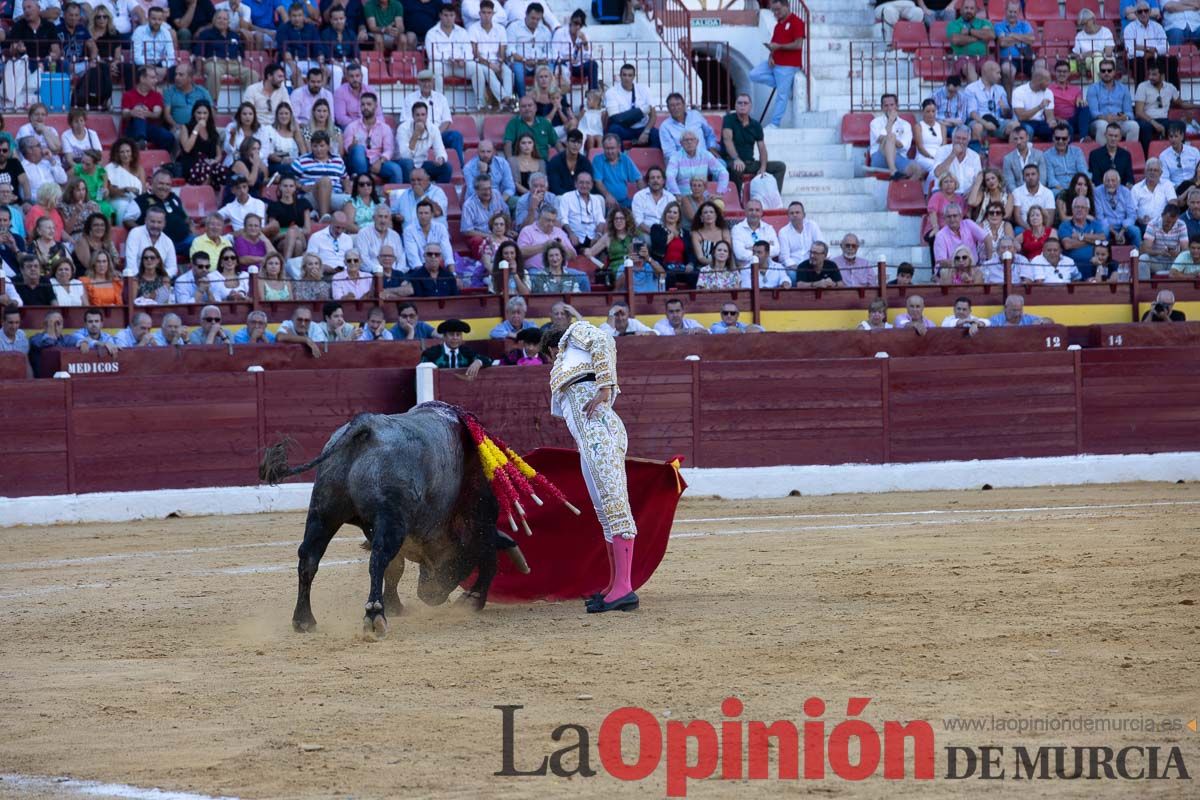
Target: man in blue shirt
<point>1015,38</point>
<point>951,105</point>
<point>255,331</point>
<point>729,322</point>
<point>612,169</point>
<point>1062,160</point>
<point>486,163</point>
<point>1116,211</point>
<point>92,334</point>
<point>1014,314</point>
<point>1079,236</point>
<point>681,118</point>
<point>1109,101</point>
<point>514,321</point>
<point>988,108</point>
<point>262,19</point>
<point>181,97</point>
<point>410,326</point>
<point>299,43</point>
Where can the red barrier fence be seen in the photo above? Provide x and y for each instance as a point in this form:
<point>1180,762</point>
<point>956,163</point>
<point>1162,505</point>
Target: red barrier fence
<point>134,432</point>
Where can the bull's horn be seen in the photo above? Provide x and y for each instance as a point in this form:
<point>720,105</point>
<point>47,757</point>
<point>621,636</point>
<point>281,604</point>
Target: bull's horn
<point>517,558</point>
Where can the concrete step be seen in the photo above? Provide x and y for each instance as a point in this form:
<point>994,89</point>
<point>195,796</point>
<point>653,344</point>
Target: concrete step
<point>849,187</point>
<point>820,32</point>
<point>828,170</point>
<point>807,136</point>
<point>841,203</point>
<point>798,153</point>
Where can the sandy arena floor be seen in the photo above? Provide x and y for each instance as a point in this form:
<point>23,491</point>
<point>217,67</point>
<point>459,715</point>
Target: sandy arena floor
<point>160,654</point>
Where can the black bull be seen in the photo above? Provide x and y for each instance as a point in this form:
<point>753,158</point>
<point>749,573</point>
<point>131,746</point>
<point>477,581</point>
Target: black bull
<point>414,484</point>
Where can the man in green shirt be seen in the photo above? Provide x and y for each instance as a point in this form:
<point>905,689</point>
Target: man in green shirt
<point>745,150</point>
<point>527,121</point>
<point>969,37</point>
<point>385,23</point>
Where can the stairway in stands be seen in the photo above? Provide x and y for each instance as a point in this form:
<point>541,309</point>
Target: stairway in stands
<point>823,173</point>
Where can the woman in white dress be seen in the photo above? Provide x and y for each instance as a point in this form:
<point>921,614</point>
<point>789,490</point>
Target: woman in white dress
<point>78,139</point>
<point>225,284</point>
<point>126,178</point>
<point>245,126</point>
<point>68,290</point>
<point>928,135</point>
<point>286,142</point>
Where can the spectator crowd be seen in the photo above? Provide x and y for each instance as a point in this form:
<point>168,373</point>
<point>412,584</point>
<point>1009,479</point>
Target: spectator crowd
<point>1044,159</point>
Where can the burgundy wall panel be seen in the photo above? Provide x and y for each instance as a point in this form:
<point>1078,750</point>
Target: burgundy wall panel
<point>655,405</point>
<point>759,413</point>
<point>150,433</point>
<point>993,406</point>
<point>1140,400</point>
<point>13,366</point>
<point>309,406</point>
<point>157,361</point>
<point>33,437</point>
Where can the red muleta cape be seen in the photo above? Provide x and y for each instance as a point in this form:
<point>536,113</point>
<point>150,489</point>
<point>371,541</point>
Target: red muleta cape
<point>566,554</point>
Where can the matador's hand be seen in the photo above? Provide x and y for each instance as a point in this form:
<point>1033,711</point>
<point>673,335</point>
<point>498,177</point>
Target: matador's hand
<point>601,396</point>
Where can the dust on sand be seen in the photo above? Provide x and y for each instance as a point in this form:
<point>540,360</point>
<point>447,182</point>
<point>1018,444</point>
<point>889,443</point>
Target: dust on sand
<point>161,653</point>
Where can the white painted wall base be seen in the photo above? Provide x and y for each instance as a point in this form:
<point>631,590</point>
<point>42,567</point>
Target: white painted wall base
<point>760,482</point>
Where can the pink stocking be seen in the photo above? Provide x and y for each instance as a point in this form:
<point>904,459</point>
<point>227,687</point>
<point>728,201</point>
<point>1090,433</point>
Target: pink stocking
<point>612,568</point>
<point>623,556</point>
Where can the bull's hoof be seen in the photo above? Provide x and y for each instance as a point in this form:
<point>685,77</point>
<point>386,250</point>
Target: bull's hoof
<point>304,624</point>
<point>374,628</point>
<point>392,606</point>
<point>374,622</point>
<point>476,600</point>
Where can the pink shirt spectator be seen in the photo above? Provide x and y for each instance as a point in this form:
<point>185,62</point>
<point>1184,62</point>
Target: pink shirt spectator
<point>1064,100</point>
<point>346,107</point>
<point>858,272</point>
<point>343,284</point>
<point>947,241</point>
<point>532,235</point>
<point>302,100</point>
<point>378,140</point>
<point>937,204</point>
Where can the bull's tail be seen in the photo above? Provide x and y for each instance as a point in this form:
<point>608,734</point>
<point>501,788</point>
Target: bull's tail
<point>274,465</point>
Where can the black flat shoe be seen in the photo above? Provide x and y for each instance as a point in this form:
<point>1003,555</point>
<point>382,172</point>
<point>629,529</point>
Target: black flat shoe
<point>627,603</point>
<point>592,599</point>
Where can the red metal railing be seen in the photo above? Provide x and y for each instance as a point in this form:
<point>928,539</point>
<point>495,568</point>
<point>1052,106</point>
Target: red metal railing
<point>673,21</point>
<point>800,9</point>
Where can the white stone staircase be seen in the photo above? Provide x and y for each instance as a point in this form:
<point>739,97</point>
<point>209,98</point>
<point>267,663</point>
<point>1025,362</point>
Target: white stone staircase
<point>825,174</point>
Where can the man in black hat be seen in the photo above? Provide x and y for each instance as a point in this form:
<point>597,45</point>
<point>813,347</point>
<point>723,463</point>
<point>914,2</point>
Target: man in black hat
<point>451,354</point>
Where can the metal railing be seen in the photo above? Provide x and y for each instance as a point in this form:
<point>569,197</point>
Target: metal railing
<point>877,69</point>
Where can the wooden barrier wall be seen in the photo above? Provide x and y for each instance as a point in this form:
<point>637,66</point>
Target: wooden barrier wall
<point>133,432</point>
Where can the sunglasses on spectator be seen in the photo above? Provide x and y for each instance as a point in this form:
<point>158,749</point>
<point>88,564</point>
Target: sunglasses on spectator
<point>352,261</point>
<point>1106,70</point>
<point>962,258</point>
<point>149,258</point>
<point>212,319</point>
<point>1062,138</point>
<point>229,258</point>
<point>729,313</point>
<point>995,212</point>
